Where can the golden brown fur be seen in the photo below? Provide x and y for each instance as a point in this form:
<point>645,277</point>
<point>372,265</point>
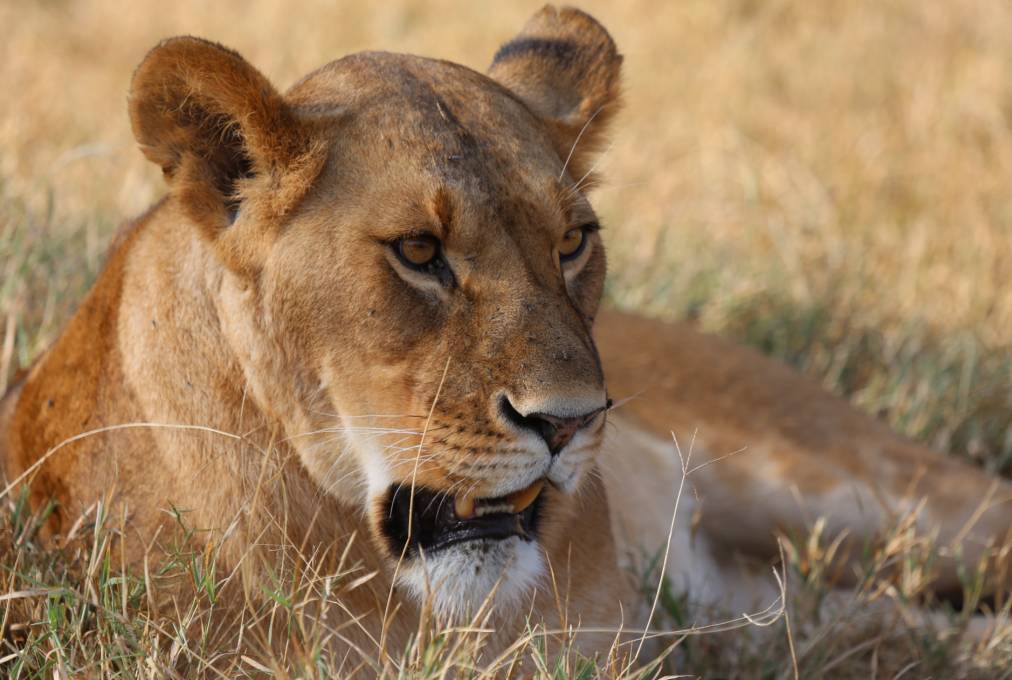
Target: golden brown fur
<point>789,453</point>
<point>253,351</point>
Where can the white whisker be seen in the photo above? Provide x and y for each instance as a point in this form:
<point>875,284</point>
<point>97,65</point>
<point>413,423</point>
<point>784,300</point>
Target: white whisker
<point>576,142</point>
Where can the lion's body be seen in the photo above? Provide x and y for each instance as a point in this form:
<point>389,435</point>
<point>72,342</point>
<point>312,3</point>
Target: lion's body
<point>770,449</point>
<point>217,362</point>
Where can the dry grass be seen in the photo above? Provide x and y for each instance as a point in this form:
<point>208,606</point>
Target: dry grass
<point>830,181</point>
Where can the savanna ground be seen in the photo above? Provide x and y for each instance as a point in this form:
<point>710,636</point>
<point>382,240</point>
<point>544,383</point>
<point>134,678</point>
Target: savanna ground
<point>828,181</point>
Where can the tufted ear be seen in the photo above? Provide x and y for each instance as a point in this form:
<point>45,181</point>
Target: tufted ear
<point>565,67</point>
<point>219,129</point>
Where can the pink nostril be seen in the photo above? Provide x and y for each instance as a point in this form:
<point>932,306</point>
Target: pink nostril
<point>555,431</point>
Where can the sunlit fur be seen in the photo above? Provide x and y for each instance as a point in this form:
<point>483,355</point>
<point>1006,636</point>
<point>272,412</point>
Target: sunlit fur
<point>277,370</point>
<point>263,300</point>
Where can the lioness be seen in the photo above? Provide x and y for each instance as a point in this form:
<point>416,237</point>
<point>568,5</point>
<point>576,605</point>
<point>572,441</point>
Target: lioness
<point>363,316</point>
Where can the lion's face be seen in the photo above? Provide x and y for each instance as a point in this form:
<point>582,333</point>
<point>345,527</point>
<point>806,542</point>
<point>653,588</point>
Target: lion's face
<point>411,283</point>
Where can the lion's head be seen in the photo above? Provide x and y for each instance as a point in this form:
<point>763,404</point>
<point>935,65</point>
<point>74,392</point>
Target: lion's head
<point>409,271</point>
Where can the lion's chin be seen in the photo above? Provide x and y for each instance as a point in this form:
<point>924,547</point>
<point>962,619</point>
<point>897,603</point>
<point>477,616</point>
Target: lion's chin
<point>466,579</point>
<point>463,555</point>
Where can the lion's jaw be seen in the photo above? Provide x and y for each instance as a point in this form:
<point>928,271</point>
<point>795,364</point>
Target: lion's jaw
<point>468,580</point>
<point>465,579</point>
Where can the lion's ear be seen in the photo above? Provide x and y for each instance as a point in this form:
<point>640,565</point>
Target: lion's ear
<point>565,67</point>
<point>217,127</point>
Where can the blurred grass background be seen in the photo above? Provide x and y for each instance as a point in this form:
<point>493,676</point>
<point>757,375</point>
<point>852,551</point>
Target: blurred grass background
<point>829,181</point>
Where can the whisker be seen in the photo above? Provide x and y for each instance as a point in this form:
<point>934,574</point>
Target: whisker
<point>576,141</point>
<point>622,402</point>
<point>576,187</point>
<point>339,429</point>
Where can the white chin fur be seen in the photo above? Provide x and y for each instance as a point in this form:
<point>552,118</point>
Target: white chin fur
<point>459,579</point>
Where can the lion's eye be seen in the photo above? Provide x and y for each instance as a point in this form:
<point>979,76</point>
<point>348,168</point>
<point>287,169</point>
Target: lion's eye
<point>424,254</point>
<point>572,244</point>
<point>418,251</point>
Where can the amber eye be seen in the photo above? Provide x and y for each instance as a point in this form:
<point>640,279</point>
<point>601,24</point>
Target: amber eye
<point>572,244</point>
<point>418,251</point>
<point>424,254</point>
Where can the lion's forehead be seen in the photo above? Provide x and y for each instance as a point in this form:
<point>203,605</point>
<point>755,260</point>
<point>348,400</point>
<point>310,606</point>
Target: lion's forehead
<point>436,117</point>
<point>418,141</point>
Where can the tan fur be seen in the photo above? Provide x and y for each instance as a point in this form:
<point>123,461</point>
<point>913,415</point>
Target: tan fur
<point>790,453</point>
<point>260,302</point>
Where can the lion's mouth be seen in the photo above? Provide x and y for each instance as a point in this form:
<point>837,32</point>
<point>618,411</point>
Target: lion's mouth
<point>433,520</point>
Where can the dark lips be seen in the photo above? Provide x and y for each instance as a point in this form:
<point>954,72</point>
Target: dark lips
<point>435,525</point>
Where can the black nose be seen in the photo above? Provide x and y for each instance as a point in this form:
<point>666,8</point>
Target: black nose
<point>555,430</point>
